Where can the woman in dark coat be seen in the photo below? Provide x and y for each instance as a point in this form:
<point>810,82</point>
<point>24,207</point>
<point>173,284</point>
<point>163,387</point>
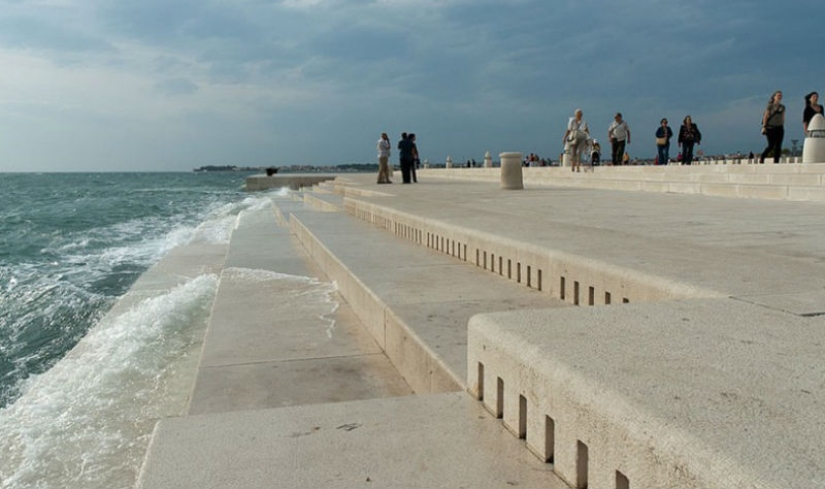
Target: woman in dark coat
<point>688,136</point>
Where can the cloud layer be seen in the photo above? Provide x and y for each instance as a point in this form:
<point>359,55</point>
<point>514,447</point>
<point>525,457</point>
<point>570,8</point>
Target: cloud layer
<point>155,85</point>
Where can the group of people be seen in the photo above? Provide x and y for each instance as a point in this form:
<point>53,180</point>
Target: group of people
<point>577,140</point>
<point>407,156</point>
<point>773,122</point>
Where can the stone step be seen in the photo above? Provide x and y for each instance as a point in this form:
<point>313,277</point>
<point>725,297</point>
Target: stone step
<point>279,334</point>
<point>699,393</point>
<point>415,302</point>
<point>441,440</point>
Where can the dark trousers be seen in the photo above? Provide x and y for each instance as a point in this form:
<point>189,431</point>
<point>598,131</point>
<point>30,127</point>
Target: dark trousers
<point>687,152</point>
<point>775,136</point>
<point>618,151</point>
<point>406,169</point>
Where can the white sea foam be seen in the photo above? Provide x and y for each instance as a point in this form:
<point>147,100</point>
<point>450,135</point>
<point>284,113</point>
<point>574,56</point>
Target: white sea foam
<point>306,297</point>
<point>86,421</point>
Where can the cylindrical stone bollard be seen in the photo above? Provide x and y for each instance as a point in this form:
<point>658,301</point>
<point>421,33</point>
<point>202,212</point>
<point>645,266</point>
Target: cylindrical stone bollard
<point>449,163</point>
<point>813,150</point>
<point>488,160</point>
<point>511,177</point>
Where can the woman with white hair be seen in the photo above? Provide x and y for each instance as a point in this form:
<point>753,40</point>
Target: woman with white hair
<point>576,138</point>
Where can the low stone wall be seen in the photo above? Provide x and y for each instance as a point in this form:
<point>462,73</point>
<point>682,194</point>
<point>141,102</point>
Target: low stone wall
<point>797,182</point>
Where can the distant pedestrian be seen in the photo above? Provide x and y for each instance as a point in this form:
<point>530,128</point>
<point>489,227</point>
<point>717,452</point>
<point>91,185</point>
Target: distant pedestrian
<point>688,136</point>
<point>663,135</point>
<point>383,147</point>
<point>405,157</point>
<point>812,108</point>
<point>416,160</point>
<point>576,138</point>
<point>619,135</point>
<point>773,126</point>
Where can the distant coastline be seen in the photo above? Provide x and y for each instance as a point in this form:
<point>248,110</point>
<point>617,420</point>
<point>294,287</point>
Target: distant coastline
<point>346,167</point>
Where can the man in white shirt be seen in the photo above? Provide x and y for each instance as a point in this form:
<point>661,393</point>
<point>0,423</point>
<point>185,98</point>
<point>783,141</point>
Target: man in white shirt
<point>619,135</point>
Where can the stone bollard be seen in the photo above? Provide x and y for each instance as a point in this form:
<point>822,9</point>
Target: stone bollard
<point>488,160</point>
<point>511,177</point>
<point>449,163</point>
<point>813,149</point>
<point>426,163</point>
<point>566,158</point>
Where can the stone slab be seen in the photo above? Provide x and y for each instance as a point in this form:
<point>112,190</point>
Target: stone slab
<point>801,303</point>
<point>727,392</point>
<point>278,334</point>
<point>730,246</point>
<point>431,294</point>
<point>294,383</point>
<point>433,441</point>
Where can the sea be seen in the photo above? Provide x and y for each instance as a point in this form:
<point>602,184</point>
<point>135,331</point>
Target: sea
<point>80,388</point>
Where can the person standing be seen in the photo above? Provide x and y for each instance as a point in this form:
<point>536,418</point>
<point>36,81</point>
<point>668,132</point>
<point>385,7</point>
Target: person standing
<point>773,126</point>
<point>405,156</point>
<point>383,147</point>
<point>663,135</point>
<point>576,138</point>
<point>812,108</point>
<point>619,135</point>
<point>416,161</point>
<point>688,136</point>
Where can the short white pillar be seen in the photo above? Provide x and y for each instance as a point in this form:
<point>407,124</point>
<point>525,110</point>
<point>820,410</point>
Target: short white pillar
<point>511,177</point>
<point>449,162</point>
<point>566,157</point>
<point>488,160</point>
<point>813,149</point>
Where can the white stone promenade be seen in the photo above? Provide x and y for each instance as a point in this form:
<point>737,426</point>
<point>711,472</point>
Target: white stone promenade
<point>693,358</point>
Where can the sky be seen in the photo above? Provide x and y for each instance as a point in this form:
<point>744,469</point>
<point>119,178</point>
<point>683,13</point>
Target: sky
<point>170,85</point>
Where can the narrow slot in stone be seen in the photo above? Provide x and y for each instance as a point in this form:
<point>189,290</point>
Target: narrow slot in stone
<point>621,481</point>
<point>549,438</point>
<point>522,417</point>
<point>480,381</point>
<point>500,398</point>
<point>581,465</point>
<point>591,296</point>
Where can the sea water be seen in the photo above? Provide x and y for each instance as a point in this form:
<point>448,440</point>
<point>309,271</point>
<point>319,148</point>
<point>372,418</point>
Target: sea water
<point>80,390</point>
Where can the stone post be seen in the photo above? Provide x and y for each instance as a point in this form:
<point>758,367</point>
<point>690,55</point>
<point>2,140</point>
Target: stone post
<point>511,177</point>
<point>426,163</point>
<point>813,149</point>
<point>567,159</point>
<point>488,160</point>
<point>449,162</point>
